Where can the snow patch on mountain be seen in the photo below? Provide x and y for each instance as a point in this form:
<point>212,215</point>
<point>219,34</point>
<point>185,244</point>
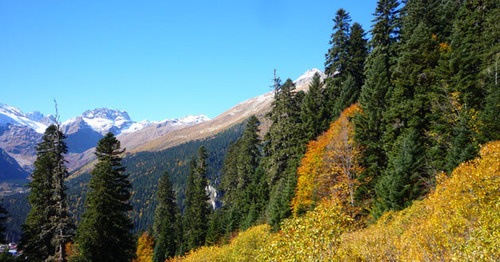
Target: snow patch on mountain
<point>184,121</point>
<point>193,119</point>
<point>10,115</point>
<point>138,126</point>
<point>307,77</point>
<point>103,120</point>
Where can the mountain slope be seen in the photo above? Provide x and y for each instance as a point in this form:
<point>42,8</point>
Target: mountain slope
<point>257,106</point>
<point>10,169</point>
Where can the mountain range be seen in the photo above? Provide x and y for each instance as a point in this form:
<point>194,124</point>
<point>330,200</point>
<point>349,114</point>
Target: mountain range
<point>20,132</point>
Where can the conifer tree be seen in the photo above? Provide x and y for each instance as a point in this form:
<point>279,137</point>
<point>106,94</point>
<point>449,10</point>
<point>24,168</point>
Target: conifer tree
<point>48,226</point>
<point>285,146</point>
<point>400,184</point>
<point>337,60</point>
<point>357,49</point>
<point>410,100</point>
<point>313,113</point>
<point>348,95</point>
<point>256,197</point>
<point>249,153</point>
<point>197,210</point>
<point>337,56</point>
<point>373,97</point>
<point>470,52</point>
<point>490,116</point>
<point>240,166</point>
<point>385,30</point>
<point>229,179</point>
<point>284,136</point>
<point>165,225</point>
<point>104,233</point>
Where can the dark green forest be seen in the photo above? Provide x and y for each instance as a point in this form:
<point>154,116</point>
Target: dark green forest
<point>144,168</point>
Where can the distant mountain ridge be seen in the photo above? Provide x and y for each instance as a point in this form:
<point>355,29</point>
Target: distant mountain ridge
<point>20,132</point>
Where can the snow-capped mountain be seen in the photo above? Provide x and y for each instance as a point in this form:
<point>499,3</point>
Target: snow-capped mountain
<point>101,120</point>
<point>10,115</point>
<point>307,77</point>
<point>184,121</point>
<point>20,132</point>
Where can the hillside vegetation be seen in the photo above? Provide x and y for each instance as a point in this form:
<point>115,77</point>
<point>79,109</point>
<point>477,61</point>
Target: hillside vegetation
<point>458,221</point>
<point>394,155</point>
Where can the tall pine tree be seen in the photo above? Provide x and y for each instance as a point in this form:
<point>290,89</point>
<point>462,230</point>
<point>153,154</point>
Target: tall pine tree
<point>165,228</point>
<point>104,233</point>
<point>284,149</point>
<point>401,181</point>
<point>373,97</point>
<point>197,210</point>
<point>337,56</point>
<point>313,113</point>
<point>240,166</point>
<point>48,226</point>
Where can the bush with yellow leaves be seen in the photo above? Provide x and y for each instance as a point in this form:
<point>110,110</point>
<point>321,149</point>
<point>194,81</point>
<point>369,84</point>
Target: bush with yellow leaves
<point>244,247</point>
<point>315,236</point>
<point>459,220</point>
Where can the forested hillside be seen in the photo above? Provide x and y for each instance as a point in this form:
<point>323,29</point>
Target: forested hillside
<point>458,220</point>
<point>393,156</point>
<point>145,169</point>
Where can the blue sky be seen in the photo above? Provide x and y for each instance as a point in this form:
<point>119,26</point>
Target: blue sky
<point>159,59</point>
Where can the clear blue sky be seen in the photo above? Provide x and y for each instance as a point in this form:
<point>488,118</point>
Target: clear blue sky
<point>159,59</point>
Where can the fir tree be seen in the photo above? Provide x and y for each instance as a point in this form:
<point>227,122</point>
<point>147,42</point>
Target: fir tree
<point>313,111</point>
<point>470,52</point>
<point>490,116</point>
<point>357,49</point>
<point>337,56</point>
<point>48,226</point>
<point>385,30</point>
<point>373,97</point>
<point>104,233</point>
<point>400,184</point>
<point>348,95</point>
<point>285,146</point>
<point>197,210</point>
<point>337,60</point>
<point>249,154</point>
<point>284,136</point>
<point>229,179</point>
<point>165,226</point>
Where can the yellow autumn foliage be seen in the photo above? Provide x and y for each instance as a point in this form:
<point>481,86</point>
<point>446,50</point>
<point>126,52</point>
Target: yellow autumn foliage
<point>458,221</point>
<point>329,165</point>
<point>244,247</point>
<point>315,236</point>
<point>144,248</point>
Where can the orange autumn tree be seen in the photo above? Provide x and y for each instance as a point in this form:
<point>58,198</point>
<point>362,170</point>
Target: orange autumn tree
<point>329,165</point>
<point>144,248</point>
